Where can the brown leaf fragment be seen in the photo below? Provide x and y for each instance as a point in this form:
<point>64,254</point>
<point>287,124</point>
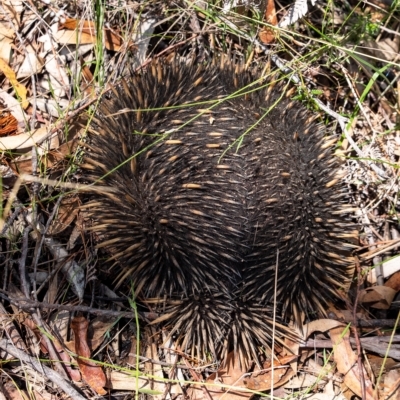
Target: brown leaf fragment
<point>394,282</point>
<point>271,375</point>
<point>113,41</point>
<point>84,26</point>
<point>65,37</point>
<point>392,384</point>
<point>63,356</point>
<point>8,124</point>
<point>60,153</point>
<point>321,325</point>
<point>92,373</point>
<point>230,375</point>
<point>270,13</point>
<point>118,380</point>
<point>267,35</point>
<point>346,362</point>
<point>86,31</point>
<point>98,329</point>
<point>380,297</point>
<point>36,331</point>
<point>67,212</point>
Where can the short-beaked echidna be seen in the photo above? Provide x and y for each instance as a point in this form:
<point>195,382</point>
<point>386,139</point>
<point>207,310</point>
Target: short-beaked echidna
<point>219,181</point>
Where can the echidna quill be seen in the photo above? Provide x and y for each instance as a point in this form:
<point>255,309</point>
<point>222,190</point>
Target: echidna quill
<point>220,186</point>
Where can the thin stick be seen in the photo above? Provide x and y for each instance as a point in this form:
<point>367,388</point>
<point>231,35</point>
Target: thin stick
<point>47,372</point>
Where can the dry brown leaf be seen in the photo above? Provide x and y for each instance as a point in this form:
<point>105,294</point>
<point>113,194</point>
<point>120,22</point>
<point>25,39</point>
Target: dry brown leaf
<point>18,87</point>
<point>63,356</point>
<point>86,32</point>
<point>394,282</point>
<point>91,372</point>
<point>117,380</point>
<point>346,362</point>
<point>321,325</point>
<point>64,36</point>
<point>87,78</point>
<point>67,212</point>
<point>36,331</point>
<point>267,35</point>
<point>8,124</point>
<point>59,153</point>
<point>112,41</point>
<point>230,375</point>
<point>83,25</point>
<point>376,362</point>
<point>23,163</point>
<point>97,329</point>
<point>392,385</point>
<point>268,378</point>
<point>24,140</point>
<point>379,297</point>
<point>313,375</point>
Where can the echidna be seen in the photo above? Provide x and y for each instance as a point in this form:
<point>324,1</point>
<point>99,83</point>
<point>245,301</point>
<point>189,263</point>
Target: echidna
<point>219,182</point>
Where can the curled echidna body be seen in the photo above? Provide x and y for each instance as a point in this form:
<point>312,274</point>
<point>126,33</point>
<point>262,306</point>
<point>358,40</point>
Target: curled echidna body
<point>218,182</point>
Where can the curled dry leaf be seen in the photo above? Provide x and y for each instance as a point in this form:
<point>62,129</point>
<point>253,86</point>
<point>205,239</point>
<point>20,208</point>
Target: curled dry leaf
<point>267,35</point>
<point>346,362</point>
<point>314,374</point>
<point>117,380</point>
<point>8,124</point>
<point>64,36</point>
<point>24,140</point>
<point>271,376</point>
<point>231,375</point>
<point>379,297</point>
<point>92,373</point>
<point>321,325</point>
<point>394,282</point>
<point>67,212</point>
<point>63,356</point>
<point>75,31</point>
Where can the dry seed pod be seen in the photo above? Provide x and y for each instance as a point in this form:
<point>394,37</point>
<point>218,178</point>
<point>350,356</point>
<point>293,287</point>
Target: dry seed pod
<point>219,182</point>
